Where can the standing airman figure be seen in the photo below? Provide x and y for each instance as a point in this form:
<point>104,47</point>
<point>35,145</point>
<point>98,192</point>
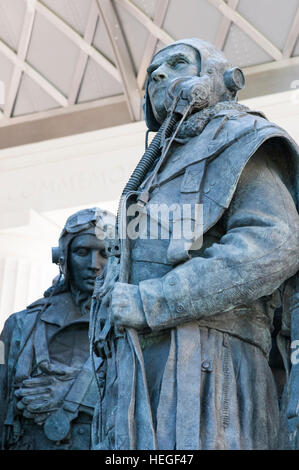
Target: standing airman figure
<point>191,316</point>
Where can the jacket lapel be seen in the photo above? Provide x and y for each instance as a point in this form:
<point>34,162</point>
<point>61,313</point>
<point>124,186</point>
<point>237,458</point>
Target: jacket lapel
<point>61,311</point>
<point>220,133</point>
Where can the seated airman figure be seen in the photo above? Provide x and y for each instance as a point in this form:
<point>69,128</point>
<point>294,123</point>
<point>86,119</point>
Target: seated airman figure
<point>48,390</point>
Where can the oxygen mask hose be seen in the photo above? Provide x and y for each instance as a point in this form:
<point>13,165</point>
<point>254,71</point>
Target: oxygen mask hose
<point>149,157</point>
<point>147,161</point>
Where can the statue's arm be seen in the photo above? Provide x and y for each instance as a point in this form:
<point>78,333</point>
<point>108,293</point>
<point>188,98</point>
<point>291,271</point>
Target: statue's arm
<point>257,253</point>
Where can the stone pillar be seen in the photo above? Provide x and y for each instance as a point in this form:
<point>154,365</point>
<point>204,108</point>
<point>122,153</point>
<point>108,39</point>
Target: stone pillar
<point>26,271</point>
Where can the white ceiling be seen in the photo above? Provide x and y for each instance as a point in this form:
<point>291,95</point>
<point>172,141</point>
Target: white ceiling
<point>57,54</point>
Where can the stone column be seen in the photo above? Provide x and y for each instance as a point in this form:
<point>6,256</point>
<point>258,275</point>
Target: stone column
<point>26,271</point>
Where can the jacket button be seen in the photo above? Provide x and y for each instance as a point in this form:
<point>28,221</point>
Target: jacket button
<point>172,281</point>
<point>81,431</point>
<point>206,366</point>
<point>180,308</point>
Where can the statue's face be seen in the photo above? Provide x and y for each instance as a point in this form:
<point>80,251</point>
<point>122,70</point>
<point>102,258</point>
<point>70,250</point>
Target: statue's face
<point>176,61</point>
<point>86,260</point>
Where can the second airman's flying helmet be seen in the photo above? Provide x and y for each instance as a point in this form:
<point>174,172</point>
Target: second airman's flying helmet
<point>94,221</point>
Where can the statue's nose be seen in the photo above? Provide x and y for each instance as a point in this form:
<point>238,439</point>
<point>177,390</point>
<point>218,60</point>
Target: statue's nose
<point>160,74</point>
<point>95,261</point>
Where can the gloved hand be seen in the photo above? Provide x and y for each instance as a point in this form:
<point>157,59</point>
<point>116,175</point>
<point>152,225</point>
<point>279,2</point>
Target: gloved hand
<point>126,307</point>
<point>192,91</point>
<point>42,395</point>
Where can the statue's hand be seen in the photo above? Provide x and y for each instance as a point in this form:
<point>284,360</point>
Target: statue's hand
<point>191,92</point>
<point>126,307</point>
<point>42,395</point>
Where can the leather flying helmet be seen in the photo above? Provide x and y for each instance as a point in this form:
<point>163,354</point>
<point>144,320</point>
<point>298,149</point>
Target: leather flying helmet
<point>220,81</point>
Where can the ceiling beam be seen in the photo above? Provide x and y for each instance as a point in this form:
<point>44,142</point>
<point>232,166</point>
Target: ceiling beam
<point>224,26</point>
<point>275,65</point>
<point>140,16</point>
<point>22,53</point>
<point>122,56</point>
<point>83,57</point>
<point>159,17</point>
<point>32,73</point>
<point>67,111</point>
<point>78,40</point>
<point>292,37</point>
<point>247,28</point>
<point>63,122</point>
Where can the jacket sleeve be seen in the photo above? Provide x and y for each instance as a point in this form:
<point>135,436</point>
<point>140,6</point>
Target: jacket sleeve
<point>257,253</point>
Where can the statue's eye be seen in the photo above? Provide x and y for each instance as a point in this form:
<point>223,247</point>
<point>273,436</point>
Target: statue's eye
<point>81,251</point>
<point>103,253</point>
<point>180,62</point>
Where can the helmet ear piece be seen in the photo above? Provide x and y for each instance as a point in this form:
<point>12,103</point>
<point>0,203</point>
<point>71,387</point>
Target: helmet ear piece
<point>57,256</point>
<point>234,79</point>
